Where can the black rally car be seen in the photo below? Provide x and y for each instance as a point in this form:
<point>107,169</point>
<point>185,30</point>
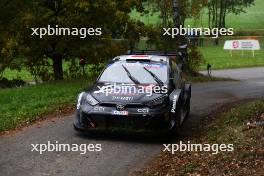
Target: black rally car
<point>139,90</point>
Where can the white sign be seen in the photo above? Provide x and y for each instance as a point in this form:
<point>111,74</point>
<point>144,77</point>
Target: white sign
<point>242,45</point>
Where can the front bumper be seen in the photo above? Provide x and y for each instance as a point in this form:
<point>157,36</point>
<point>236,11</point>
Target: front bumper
<point>100,117</point>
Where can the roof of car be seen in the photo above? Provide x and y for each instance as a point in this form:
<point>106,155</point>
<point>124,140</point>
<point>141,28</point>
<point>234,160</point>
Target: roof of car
<point>155,58</point>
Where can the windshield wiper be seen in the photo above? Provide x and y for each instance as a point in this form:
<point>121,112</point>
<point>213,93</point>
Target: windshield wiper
<point>154,76</point>
<point>132,78</point>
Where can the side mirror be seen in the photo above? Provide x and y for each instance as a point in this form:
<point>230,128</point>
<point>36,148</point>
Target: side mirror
<point>172,82</point>
<point>181,67</point>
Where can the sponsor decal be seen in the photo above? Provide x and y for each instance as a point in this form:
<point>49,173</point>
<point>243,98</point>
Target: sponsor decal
<point>123,113</point>
<point>154,66</point>
<point>174,101</point>
<point>235,44</point>
<point>99,109</point>
<point>143,110</point>
<point>122,98</point>
<point>147,65</point>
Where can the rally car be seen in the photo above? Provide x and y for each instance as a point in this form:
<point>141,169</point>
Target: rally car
<point>136,90</point>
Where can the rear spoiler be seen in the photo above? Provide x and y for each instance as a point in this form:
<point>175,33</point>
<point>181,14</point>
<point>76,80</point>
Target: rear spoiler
<point>152,52</point>
<point>181,49</point>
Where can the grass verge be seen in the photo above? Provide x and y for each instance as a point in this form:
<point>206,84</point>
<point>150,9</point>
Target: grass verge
<point>25,104</point>
<point>221,59</point>
<point>203,78</point>
<point>229,126</point>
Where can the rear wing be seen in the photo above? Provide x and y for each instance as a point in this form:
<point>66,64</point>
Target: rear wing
<point>182,49</point>
<point>152,52</point>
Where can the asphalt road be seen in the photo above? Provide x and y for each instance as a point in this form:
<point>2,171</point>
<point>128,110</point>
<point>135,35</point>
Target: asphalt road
<point>119,155</point>
<point>239,73</point>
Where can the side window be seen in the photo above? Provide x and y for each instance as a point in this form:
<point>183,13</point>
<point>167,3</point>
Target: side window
<point>176,75</point>
<point>171,70</point>
<point>173,66</point>
<point>177,71</point>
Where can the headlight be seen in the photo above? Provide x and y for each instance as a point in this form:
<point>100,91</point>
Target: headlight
<point>86,98</point>
<point>91,100</point>
<point>156,102</point>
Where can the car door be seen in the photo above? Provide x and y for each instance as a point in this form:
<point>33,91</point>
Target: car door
<point>176,75</point>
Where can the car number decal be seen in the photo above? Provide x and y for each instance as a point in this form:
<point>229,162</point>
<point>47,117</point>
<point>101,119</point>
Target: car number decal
<point>123,113</point>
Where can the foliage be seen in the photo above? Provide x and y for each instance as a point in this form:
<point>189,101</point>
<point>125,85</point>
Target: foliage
<point>157,41</point>
<point>218,10</point>
<point>5,83</point>
<point>111,16</point>
<point>195,59</point>
<point>187,9</point>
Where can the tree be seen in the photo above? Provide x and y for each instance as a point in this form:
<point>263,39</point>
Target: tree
<point>8,37</point>
<point>218,10</point>
<point>109,15</point>
<point>177,11</point>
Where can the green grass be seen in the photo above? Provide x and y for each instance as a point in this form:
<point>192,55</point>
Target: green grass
<point>221,59</point>
<point>25,75</point>
<point>20,105</point>
<point>251,20</point>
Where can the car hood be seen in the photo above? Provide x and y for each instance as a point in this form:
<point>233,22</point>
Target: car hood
<point>125,93</point>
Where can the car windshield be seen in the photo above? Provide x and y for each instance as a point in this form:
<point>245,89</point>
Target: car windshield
<point>135,72</point>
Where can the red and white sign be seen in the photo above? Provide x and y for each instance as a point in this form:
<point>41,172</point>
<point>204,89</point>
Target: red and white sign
<point>242,45</point>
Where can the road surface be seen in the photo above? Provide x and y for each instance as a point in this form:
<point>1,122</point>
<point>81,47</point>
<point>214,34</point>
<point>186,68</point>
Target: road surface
<point>119,156</point>
<point>239,73</point>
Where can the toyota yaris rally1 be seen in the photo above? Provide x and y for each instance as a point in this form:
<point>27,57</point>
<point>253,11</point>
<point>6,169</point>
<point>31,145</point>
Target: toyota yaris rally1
<point>138,91</point>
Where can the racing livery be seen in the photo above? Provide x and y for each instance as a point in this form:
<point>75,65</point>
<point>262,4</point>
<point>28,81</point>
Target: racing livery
<point>143,91</point>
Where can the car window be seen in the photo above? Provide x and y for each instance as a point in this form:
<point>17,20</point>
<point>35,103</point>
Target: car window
<point>116,73</point>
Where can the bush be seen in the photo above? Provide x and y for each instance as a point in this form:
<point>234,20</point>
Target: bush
<point>5,83</point>
<point>195,59</point>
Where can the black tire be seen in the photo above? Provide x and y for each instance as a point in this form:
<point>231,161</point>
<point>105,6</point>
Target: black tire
<point>188,107</point>
<point>78,129</point>
<point>187,104</point>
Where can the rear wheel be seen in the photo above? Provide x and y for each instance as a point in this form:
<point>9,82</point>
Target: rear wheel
<point>188,107</point>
